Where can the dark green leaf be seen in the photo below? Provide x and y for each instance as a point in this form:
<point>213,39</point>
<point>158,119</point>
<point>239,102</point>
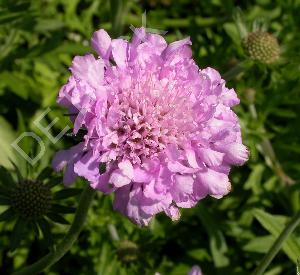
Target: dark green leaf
<point>66,193</point>
<point>45,173</point>
<point>57,218</point>
<point>57,208</point>
<point>46,230</point>
<point>53,182</point>
<point>17,233</point>
<point>35,228</point>
<point>5,177</point>
<point>4,200</point>
<point>18,172</point>
<point>7,214</point>
<point>217,242</point>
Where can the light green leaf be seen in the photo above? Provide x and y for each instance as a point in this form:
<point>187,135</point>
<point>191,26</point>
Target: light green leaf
<point>275,225</point>
<point>254,180</point>
<point>260,244</point>
<point>7,136</point>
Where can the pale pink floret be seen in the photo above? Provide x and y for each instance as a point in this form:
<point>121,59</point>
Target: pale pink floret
<point>163,127</point>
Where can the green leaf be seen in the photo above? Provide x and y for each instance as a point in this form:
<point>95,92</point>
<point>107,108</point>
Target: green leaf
<point>254,180</point>
<point>4,200</point>
<point>54,181</point>
<point>199,254</point>
<point>217,242</point>
<point>18,172</point>
<point>5,177</point>
<point>45,173</point>
<point>66,193</point>
<point>7,136</point>
<point>7,214</point>
<point>57,218</point>
<point>35,228</point>
<point>275,225</point>
<point>57,208</point>
<point>5,190</point>
<point>260,244</point>
<point>17,233</point>
<point>46,230</point>
<point>232,31</point>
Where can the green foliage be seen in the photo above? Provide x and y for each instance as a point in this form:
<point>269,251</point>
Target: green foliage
<point>38,40</point>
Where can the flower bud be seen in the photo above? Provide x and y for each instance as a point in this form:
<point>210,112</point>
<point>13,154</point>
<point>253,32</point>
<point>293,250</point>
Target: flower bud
<point>127,251</point>
<point>31,200</point>
<point>262,46</point>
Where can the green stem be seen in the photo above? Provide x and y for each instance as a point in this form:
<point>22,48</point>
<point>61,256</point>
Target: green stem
<point>236,70</point>
<point>64,246</point>
<point>290,227</point>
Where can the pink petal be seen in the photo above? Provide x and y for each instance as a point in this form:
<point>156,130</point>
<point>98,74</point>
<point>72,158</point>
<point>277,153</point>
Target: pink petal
<point>177,167</point>
<point>174,46</point>
<point>236,153</point>
<point>210,157</point>
<point>118,179</point>
<point>89,69</point>
<point>196,270</point>
<point>173,212</point>
<point>140,175</point>
<point>119,51</point>
<point>126,168</point>
<point>229,98</point>
<point>191,157</point>
<point>101,42</point>
<point>87,167</point>
<point>217,184</point>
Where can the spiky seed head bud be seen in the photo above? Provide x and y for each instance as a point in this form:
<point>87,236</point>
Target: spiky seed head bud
<point>262,46</point>
<point>127,251</point>
<point>31,200</point>
<point>250,95</point>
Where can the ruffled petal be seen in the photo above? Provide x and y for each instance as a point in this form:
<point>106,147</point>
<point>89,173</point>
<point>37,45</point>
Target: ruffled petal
<point>89,69</point>
<point>101,42</point>
<point>120,52</point>
<point>210,157</point>
<point>217,184</point>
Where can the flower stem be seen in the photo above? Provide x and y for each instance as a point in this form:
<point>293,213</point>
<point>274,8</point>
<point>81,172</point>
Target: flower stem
<point>64,246</point>
<point>290,227</point>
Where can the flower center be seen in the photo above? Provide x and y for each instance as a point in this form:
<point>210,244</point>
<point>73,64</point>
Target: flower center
<point>151,120</point>
<point>31,199</point>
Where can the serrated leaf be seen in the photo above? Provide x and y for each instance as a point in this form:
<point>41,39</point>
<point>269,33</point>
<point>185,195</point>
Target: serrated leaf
<point>274,225</point>
<point>57,218</point>
<point>7,214</point>
<point>66,193</point>
<point>57,208</point>
<point>17,233</point>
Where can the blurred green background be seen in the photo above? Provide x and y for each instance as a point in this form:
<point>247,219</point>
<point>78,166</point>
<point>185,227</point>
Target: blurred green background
<point>38,40</point>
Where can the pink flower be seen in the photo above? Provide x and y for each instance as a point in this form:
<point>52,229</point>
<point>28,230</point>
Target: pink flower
<point>164,128</point>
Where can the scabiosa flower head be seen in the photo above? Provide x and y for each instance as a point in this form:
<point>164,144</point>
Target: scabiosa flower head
<point>262,46</point>
<point>163,127</point>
